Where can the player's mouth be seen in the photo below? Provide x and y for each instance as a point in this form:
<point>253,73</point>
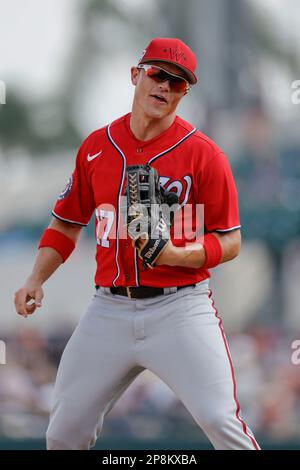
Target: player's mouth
<point>159,98</point>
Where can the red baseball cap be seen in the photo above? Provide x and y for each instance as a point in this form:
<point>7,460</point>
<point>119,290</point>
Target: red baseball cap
<point>172,50</point>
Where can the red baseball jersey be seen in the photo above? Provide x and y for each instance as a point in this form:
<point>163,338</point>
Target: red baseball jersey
<point>188,162</point>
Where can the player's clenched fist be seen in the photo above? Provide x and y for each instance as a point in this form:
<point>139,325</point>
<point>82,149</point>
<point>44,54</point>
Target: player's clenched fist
<point>28,298</point>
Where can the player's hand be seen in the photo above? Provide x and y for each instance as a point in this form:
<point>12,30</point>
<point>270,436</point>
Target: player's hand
<point>28,298</point>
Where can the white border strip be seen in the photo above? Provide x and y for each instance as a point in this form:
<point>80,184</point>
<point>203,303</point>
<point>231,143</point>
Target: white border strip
<point>67,220</point>
<point>227,229</point>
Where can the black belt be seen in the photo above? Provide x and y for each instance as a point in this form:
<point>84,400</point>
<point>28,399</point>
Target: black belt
<point>142,292</point>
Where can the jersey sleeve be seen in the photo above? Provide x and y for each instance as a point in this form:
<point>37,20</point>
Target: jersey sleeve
<point>218,193</point>
<point>76,204</point>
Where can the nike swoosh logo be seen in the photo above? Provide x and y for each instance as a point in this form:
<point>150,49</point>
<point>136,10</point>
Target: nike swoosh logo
<point>91,157</point>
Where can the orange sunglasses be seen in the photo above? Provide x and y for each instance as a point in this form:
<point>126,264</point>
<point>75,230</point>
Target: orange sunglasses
<point>159,75</point>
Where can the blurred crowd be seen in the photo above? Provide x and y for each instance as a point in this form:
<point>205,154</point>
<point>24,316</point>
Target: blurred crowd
<point>267,172</point>
<point>268,390</point>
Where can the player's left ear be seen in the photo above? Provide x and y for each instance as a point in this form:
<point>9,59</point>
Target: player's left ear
<point>134,75</point>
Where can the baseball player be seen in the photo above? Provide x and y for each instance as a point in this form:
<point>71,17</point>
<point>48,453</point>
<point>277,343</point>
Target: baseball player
<point>152,307</point>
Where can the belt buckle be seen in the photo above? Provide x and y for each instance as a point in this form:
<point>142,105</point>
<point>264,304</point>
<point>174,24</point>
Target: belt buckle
<point>128,292</point>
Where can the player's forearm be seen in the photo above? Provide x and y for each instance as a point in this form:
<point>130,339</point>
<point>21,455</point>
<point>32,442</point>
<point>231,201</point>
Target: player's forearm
<point>194,255</point>
<point>46,263</point>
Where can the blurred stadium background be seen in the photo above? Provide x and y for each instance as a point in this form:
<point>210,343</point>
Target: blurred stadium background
<point>66,68</point>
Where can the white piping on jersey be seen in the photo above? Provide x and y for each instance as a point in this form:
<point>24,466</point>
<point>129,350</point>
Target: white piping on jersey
<point>120,191</point>
<point>228,229</point>
<point>136,267</point>
<point>188,180</point>
<point>67,220</point>
<point>119,203</point>
<point>173,146</point>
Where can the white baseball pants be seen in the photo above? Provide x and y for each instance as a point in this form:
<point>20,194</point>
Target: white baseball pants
<point>179,337</point>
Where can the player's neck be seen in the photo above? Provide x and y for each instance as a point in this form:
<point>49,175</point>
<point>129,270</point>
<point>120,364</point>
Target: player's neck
<point>145,128</point>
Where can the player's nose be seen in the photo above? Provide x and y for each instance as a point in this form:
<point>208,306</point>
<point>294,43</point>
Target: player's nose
<point>164,86</point>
